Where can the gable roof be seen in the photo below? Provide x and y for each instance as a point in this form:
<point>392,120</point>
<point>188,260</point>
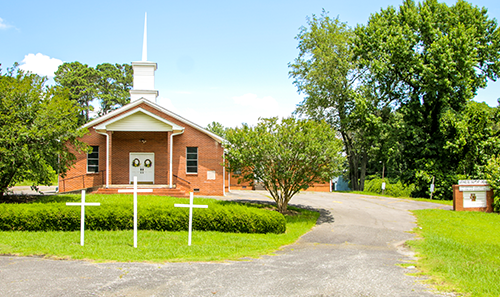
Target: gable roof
<point>128,122</point>
<point>100,122</point>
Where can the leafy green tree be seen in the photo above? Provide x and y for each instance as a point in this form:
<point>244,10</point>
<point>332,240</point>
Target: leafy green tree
<point>327,73</point>
<point>286,156</point>
<point>431,59</point>
<point>217,128</point>
<point>108,84</point>
<point>473,137</point>
<point>81,82</point>
<point>492,173</point>
<point>36,125</point>
<point>113,86</point>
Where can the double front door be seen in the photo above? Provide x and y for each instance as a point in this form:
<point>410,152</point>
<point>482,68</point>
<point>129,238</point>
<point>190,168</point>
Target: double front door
<point>142,165</point>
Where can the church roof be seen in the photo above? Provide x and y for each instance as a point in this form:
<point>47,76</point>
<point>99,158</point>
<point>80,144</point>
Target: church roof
<point>123,120</point>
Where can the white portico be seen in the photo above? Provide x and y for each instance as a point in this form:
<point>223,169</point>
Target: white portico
<point>139,119</point>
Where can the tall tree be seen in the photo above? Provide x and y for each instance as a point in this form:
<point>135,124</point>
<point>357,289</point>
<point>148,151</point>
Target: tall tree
<point>287,156</point>
<point>36,124</point>
<point>432,59</point>
<point>113,86</point>
<point>326,72</point>
<point>107,85</point>
<point>81,82</point>
<point>217,128</point>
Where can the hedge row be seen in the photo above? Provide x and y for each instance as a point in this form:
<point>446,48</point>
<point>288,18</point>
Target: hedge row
<point>396,190</point>
<point>59,217</point>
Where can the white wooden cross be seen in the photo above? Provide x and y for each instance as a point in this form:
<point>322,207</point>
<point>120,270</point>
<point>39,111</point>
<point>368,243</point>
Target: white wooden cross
<point>191,206</point>
<point>82,220</point>
<point>135,191</point>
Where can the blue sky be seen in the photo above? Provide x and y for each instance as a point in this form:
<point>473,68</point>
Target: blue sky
<point>224,61</point>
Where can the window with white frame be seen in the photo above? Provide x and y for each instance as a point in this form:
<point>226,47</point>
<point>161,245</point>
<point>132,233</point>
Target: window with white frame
<point>191,160</point>
<point>93,160</point>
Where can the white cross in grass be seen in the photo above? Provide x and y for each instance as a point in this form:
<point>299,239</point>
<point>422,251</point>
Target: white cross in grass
<point>82,220</point>
<point>135,191</point>
<point>191,206</point>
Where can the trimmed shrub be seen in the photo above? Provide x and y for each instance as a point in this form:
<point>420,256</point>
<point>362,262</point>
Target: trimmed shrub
<point>395,190</point>
<point>229,217</point>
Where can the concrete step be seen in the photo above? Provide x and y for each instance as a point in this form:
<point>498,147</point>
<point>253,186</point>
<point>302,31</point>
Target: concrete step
<point>156,191</point>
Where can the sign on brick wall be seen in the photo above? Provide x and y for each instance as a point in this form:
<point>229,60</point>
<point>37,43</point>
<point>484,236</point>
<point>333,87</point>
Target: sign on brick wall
<point>472,195</point>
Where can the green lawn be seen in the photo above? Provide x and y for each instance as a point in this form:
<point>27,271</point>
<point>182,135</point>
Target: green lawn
<point>460,251</point>
<point>152,246</point>
<point>53,181</point>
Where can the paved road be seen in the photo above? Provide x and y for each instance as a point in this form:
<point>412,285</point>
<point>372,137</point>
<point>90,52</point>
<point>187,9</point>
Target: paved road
<point>353,251</point>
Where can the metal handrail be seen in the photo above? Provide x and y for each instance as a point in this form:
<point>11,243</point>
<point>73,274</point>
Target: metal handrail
<point>83,178</point>
<point>181,178</point>
<point>83,175</point>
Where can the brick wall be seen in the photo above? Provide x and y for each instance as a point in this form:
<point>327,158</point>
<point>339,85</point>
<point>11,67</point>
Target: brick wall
<point>123,143</point>
<point>236,184</point>
<point>246,185</point>
<point>77,177</point>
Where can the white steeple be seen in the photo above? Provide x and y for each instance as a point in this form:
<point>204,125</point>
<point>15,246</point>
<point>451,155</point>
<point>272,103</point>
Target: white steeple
<point>145,40</point>
<point>144,74</point>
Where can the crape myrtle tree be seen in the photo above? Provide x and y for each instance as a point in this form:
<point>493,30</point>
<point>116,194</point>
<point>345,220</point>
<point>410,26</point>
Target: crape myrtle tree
<point>107,83</point>
<point>432,58</point>
<point>286,156</point>
<point>36,125</point>
<point>335,90</point>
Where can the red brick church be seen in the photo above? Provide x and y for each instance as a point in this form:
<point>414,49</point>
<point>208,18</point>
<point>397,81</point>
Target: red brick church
<point>164,150</point>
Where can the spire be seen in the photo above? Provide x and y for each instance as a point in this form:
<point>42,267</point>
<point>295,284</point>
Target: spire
<point>144,73</point>
<point>145,40</point>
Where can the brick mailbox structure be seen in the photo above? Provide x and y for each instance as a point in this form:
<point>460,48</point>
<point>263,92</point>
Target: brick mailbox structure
<point>472,195</point>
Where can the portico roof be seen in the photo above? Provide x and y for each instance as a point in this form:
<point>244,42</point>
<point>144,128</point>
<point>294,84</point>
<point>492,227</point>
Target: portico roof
<point>139,119</point>
<point>131,106</point>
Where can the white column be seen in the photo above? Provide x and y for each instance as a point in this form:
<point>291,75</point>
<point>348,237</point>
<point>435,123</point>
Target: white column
<point>107,156</point>
<point>171,155</point>
<point>170,159</point>
<point>223,177</point>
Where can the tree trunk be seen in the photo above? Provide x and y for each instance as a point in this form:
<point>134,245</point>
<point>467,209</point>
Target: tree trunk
<point>364,161</point>
<point>353,160</point>
<point>353,171</point>
<point>5,180</point>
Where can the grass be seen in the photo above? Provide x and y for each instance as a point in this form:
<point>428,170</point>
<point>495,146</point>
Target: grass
<point>460,251</point>
<point>152,246</point>
<point>445,202</point>
<point>28,183</point>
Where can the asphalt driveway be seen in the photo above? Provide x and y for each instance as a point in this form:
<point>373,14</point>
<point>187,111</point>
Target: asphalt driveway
<point>352,251</point>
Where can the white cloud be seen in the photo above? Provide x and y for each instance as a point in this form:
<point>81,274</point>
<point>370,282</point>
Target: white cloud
<point>40,64</point>
<point>3,26</point>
